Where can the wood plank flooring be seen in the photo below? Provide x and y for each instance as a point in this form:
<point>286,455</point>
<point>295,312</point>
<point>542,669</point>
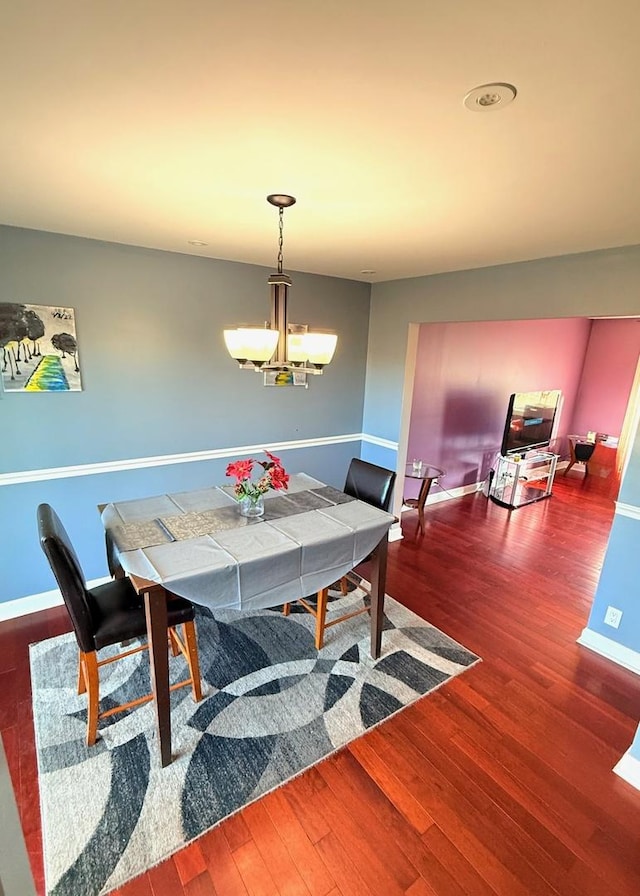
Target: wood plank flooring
<point>498,783</point>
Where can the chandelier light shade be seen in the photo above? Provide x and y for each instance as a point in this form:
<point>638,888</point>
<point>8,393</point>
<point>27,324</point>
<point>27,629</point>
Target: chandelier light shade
<point>318,347</point>
<point>251,343</point>
<point>279,345</point>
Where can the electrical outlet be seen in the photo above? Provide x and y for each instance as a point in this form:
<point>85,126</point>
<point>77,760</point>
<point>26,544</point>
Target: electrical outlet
<point>613,616</point>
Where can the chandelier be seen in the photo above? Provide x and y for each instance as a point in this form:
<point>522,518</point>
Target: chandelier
<point>279,345</point>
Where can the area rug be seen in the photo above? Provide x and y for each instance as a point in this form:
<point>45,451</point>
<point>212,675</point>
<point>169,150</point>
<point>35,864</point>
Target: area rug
<point>273,707</point>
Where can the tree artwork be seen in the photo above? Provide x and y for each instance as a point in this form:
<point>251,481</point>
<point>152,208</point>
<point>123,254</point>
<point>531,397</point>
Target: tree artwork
<point>39,350</point>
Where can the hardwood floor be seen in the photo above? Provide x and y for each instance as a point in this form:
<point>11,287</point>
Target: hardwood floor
<point>498,783</point>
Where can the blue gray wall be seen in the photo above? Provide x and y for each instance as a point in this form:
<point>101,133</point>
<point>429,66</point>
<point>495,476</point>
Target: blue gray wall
<point>620,577</point>
<point>157,381</point>
<point>635,746</point>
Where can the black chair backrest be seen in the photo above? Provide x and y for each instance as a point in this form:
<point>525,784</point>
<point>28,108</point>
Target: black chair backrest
<point>66,568</point>
<point>583,451</point>
<point>370,483</point>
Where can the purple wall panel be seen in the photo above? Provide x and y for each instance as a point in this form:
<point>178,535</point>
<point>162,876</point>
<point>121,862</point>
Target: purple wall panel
<point>609,369</point>
<point>466,372</point>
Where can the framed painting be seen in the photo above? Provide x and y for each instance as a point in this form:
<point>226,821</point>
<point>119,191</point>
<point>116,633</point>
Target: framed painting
<point>39,348</point>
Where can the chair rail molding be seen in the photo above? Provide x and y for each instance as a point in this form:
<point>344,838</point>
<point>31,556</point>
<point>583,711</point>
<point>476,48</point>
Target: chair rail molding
<point>21,477</point>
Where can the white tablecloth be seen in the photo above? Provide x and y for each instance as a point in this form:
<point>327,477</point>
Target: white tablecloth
<point>245,564</point>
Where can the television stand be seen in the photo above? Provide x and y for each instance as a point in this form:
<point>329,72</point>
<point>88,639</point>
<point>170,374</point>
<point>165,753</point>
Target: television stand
<point>522,479</point>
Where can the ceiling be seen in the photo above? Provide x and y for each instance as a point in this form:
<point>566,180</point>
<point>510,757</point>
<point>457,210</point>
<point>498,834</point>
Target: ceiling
<point>158,123</point>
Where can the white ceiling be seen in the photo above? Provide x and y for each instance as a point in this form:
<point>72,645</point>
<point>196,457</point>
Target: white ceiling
<point>154,123</point>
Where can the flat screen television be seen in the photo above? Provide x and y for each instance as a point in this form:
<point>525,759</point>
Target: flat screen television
<point>530,419</point>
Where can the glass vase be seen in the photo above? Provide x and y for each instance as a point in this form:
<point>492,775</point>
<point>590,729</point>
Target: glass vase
<point>252,505</point>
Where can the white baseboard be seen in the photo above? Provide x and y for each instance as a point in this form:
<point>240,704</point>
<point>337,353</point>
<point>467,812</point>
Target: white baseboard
<point>395,532</point>
<point>629,510</point>
<point>620,654</point>
<point>33,603</point>
<point>448,494</point>
<point>628,768</point>
<point>445,495</point>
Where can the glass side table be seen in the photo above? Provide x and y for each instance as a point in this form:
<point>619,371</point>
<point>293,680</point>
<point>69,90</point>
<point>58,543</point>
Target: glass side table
<point>428,474</point>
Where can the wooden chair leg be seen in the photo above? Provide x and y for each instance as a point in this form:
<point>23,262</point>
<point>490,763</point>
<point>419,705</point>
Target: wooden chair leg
<point>286,609</point>
<point>193,660</point>
<point>89,663</point>
<point>82,687</point>
<point>572,457</point>
<point>173,643</point>
<point>344,588</point>
<point>321,617</point>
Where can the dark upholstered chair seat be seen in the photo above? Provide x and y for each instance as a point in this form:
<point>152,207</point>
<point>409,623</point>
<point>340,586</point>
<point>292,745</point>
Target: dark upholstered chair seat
<point>118,613</point>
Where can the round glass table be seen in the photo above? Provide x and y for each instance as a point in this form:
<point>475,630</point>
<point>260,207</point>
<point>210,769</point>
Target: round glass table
<point>428,474</point>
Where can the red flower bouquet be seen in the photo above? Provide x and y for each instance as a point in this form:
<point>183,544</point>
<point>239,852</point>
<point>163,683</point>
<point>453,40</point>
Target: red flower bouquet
<point>273,476</point>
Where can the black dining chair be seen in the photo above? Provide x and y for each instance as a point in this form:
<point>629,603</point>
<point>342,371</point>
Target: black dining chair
<point>109,614</point>
<point>374,485</point>
<point>580,452</point>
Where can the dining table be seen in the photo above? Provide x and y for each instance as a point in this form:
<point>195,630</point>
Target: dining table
<point>197,545</point>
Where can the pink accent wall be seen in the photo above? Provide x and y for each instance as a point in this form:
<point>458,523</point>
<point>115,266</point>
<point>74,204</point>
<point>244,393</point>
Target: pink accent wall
<point>607,377</point>
<point>465,374</point>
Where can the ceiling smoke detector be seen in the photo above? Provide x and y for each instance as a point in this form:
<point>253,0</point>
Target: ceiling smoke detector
<point>490,96</point>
